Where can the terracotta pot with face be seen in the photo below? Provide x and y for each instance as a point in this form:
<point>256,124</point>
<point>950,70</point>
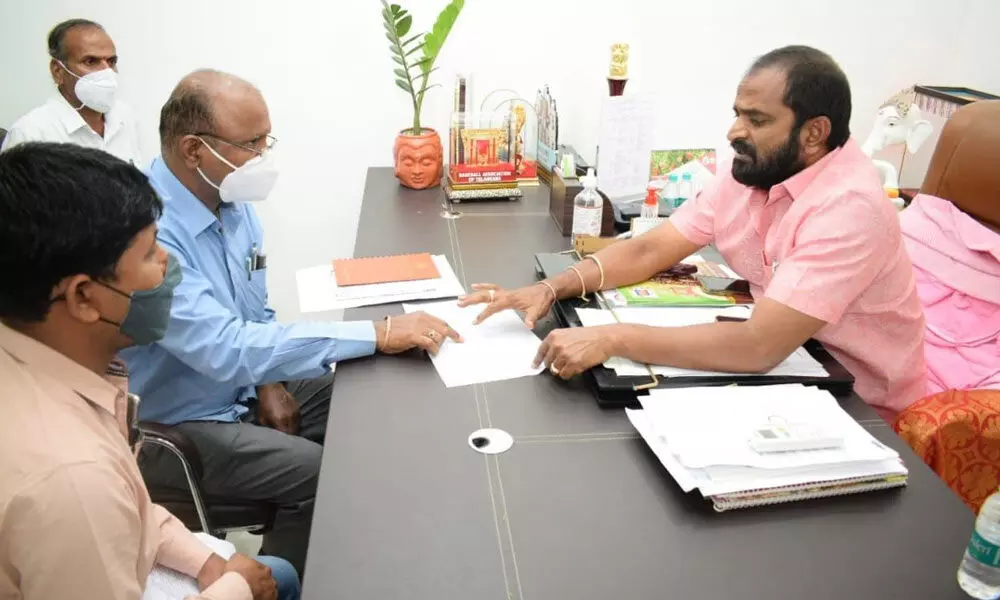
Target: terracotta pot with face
<point>419,159</point>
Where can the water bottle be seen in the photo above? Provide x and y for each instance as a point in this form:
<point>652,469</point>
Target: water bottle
<point>686,190</point>
<point>672,192</point>
<point>588,208</point>
<point>979,574</point>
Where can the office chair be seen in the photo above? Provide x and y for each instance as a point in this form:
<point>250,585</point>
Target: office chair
<point>953,431</point>
<point>216,516</point>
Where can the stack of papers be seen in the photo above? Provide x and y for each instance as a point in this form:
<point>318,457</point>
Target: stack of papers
<point>502,347</point>
<point>799,364</point>
<point>319,292</point>
<point>702,437</point>
<point>167,584</point>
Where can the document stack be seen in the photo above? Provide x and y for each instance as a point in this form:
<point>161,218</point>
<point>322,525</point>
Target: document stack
<point>759,445</point>
<point>374,281</point>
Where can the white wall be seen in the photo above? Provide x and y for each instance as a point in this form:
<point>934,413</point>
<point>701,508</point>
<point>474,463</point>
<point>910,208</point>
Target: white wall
<point>324,68</point>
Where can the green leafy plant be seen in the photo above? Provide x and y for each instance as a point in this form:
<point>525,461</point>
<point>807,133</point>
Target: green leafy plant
<point>415,54</point>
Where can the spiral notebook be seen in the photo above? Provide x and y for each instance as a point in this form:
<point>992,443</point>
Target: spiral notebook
<point>384,269</point>
<point>700,435</point>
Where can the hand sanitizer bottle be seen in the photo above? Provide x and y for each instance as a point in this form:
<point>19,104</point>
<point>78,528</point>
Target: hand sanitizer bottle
<point>588,207</point>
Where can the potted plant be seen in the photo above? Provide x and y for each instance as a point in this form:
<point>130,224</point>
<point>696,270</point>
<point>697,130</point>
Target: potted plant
<point>417,154</point>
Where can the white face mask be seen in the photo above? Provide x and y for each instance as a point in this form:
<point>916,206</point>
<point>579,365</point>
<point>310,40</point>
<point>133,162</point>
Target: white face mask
<point>251,182</point>
<point>96,90</point>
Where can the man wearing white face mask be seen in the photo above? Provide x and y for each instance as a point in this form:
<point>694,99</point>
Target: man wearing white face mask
<point>85,111</point>
<point>251,393</point>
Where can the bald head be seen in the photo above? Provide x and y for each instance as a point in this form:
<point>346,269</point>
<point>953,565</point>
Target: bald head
<point>207,100</point>
<point>212,124</point>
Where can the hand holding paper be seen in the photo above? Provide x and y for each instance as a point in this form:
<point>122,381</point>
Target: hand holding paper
<point>533,301</point>
<point>414,330</point>
<point>569,352</point>
<point>501,348</point>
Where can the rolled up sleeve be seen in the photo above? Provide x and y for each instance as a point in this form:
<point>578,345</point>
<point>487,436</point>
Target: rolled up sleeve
<point>838,253</point>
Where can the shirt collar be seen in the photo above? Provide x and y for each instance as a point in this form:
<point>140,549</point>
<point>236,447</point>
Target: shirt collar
<point>72,122</point>
<point>797,184</point>
<point>42,358</point>
<point>188,209</point>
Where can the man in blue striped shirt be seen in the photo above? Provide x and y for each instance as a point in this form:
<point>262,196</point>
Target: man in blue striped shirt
<point>252,394</point>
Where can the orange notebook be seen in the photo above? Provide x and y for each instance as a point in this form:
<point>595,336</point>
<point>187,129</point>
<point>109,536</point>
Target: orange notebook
<point>384,269</point>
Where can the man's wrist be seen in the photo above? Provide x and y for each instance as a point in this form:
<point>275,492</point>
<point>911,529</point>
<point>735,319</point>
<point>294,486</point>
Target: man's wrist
<point>211,571</point>
<point>617,337</point>
<point>380,335</point>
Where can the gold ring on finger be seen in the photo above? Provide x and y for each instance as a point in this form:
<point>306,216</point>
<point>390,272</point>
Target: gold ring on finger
<point>432,334</point>
<point>554,370</point>
<point>493,296</point>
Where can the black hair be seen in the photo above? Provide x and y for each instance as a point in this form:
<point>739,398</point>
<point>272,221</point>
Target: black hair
<point>57,37</point>
<point>187,111</point>
<point>815,87</point>
<point>64,211</point>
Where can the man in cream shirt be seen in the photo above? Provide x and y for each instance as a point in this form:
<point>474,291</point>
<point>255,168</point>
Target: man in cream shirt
<point>84,111</point>
<point>76,520</point>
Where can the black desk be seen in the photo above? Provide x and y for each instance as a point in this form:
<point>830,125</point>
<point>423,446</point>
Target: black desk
<point>579,508</point>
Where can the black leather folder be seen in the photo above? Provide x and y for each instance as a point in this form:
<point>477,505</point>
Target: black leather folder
<point>614,391</point>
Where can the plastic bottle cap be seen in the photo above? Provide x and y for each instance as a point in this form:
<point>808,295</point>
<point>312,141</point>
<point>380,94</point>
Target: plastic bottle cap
<point>673,177</point>
<point>892,192</point>
<point>686,177</point>
<point>589,180</point>
<point>651,197</point>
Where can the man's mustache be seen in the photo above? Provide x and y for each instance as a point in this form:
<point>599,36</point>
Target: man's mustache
<point>745,148</point>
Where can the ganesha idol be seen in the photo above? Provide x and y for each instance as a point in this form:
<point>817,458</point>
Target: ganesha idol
<point>419,159</point>
<point>898,121</point>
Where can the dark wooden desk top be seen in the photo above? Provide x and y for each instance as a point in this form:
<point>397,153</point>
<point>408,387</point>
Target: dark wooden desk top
<point>579,507</point>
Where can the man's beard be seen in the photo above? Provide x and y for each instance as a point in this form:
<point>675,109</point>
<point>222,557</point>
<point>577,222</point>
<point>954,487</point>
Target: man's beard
<point>767,172</point>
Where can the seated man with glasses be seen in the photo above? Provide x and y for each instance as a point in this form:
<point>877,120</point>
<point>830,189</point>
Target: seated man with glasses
<point>251,393</point>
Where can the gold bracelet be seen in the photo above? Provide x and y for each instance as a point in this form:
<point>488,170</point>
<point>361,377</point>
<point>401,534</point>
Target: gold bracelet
<point>555,296</point>
<point>600,267</point>
<point>583,284</point>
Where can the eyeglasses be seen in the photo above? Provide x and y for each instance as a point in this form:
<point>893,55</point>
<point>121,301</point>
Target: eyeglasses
<point>257,145</point>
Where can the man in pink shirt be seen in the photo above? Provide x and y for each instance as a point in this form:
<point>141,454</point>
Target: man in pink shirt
<point>802,216</point>
<point>83,276</point>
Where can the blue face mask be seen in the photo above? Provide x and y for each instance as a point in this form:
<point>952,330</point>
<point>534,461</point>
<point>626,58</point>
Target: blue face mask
<point>149,310</point>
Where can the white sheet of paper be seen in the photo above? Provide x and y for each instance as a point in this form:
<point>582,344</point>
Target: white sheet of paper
<point>709,428</point>
<point>799,364</point>
<point>318,290</point>
<point>167,584</point>
<point>625,142</point>
<point>500,348</point>
<point>685,426</point>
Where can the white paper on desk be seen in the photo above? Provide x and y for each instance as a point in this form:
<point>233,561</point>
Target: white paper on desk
<point>684,478</point>
<point>709,428</point>
<point>167,584</point>
<point>715,420</point>
<point>799,364</point>
<point>318,290</point>
<point>502,347</point>
<point>625,143</point>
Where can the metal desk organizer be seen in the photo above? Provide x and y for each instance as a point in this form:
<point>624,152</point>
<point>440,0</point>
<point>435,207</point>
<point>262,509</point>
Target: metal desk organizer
<point>613,391</point>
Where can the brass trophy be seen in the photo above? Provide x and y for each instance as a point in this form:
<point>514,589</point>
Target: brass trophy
<point>618,73</point>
